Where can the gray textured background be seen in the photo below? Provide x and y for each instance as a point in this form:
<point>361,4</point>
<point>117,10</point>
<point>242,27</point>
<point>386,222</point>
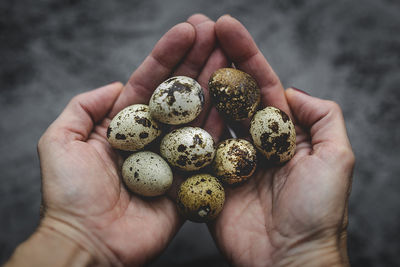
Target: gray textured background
<point>347,51</point>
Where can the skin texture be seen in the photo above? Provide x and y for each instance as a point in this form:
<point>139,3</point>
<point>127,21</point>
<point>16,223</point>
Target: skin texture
<point>295,214</point>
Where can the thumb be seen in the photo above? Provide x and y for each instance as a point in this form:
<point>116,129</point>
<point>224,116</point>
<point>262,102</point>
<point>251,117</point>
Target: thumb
<point>82,113</point>
<point>325,123</point>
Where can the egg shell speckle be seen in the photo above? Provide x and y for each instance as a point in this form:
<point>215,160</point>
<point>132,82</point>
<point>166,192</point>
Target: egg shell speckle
<point>177,100</point>
<point>235,161</point>
<point>234,93</point>
<point>147,174</point>
<point>273,133</point>
<point>132,128</point>
<point>188,148</point>
<point>200,198</point>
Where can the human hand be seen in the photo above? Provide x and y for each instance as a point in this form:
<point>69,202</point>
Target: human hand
<point>295,214</point>
<point>83,196</point>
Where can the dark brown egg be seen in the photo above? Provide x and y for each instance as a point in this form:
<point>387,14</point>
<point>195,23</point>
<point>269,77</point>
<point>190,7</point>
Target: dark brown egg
<point>234,93</point>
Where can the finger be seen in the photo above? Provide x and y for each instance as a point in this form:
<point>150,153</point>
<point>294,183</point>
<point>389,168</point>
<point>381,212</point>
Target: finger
<point>324,118</point>
<point>78,119</point>
<point>197,18</point>
<point>325,122</point>
<point>216,61</point>
<point>214,125</point>
<point>203,46</point>
<point>241,49</point>
<point>157,67</point>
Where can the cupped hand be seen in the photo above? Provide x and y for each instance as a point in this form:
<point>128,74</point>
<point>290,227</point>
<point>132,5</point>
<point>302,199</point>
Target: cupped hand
<point>83,196</point>
<point>294,214</point>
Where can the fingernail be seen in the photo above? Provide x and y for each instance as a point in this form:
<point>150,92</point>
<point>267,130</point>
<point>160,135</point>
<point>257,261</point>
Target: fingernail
<point>299,90</point>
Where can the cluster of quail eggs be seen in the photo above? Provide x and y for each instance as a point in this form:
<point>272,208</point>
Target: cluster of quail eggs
<point>163,126</point>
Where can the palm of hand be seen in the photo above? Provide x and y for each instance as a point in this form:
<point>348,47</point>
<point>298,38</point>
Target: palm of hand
<point>280,207</point>
<point>99,202</point>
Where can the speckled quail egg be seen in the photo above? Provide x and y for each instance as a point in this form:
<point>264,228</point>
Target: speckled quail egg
<point>147,174</point>
<point>200,198</point>
<point>234,93</point>
<point>132,128</point>
<point>188,148</point>
<point>235,161</point>
<point>273,133</point>
<point>177,100</point>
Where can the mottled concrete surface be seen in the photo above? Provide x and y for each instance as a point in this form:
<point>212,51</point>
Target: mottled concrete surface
<point>347,51</point>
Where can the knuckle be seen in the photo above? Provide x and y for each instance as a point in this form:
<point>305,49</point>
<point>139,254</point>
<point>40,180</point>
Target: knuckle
<point>351,160</point>
<point>346,156</point>
<point>333,106</point>
<point>77,98</point>
<point>43,140</point>
<point>198,17</point>
<point>40,143</point>
<point>49,137</point>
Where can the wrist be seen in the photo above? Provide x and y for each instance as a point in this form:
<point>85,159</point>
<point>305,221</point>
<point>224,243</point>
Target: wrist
<point>61,243</point>
<point>47,247</point>
<point>313,253</point>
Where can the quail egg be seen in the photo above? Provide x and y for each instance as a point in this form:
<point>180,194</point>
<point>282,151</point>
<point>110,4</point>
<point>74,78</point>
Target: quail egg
<point>188,148</point>
<point>132,128</point>
<point>200,198</point>
<point>235,161</point>
<point>177,100</point>
<point>234,93</point>
<point>146,173</point>
<point>273,133</point>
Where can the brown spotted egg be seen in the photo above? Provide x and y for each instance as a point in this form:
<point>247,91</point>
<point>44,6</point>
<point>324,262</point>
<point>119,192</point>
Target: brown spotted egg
<point>132,128</point>
<point>200,198</point>
<point>188,148</point>
<point>147,174</point>
<point>273,133</point>
<point>177,100</point>
<point>234,93</point>
<point>235,161</point>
